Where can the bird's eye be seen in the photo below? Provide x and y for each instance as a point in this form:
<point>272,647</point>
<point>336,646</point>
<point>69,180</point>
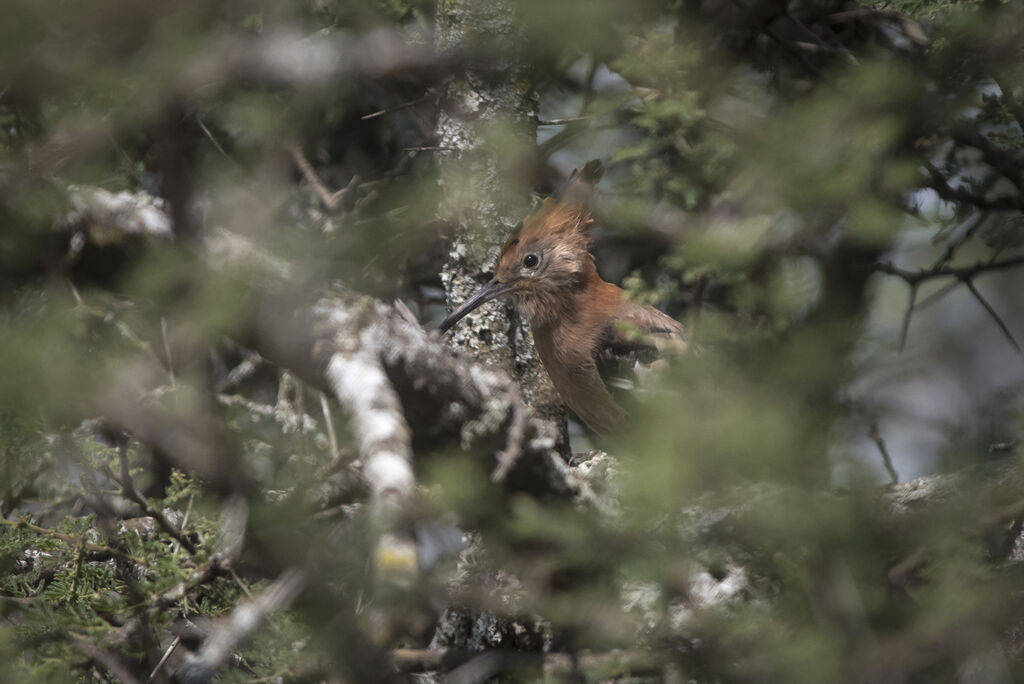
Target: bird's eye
<point>531,260</point>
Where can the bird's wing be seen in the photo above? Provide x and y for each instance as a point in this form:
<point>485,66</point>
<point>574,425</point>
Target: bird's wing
<point>633,341</point>
<point>643,330</point>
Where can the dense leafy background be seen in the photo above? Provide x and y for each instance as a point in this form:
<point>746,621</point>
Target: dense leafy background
<point>828,194</point>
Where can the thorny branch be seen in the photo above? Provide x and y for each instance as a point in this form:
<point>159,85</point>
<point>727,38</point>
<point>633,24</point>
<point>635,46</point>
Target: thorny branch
<point>941,271</point>
<point>995,316</point>
<point>963,274</point>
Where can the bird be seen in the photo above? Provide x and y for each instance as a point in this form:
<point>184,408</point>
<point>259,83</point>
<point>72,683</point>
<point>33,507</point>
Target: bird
<point>577,318</point>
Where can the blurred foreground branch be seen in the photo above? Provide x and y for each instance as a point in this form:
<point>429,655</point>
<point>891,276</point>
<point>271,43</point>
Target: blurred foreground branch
<point>393,379</point>
<point>224,638</point>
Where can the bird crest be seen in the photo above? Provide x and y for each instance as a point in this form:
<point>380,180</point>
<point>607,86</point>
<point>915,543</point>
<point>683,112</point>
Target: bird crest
<point>551,248</point>
<point>571,213</point>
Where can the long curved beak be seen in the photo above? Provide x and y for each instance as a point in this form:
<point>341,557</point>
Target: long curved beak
<point>491,290</point>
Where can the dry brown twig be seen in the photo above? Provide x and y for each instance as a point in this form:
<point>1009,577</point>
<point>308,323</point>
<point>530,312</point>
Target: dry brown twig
<point>330,200</point>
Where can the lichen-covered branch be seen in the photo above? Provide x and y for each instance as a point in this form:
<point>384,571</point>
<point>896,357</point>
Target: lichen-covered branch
<point>400,384</point>
<point>397,383</point>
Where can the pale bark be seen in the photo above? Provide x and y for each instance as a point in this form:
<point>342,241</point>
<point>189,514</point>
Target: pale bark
<point>394,381</point>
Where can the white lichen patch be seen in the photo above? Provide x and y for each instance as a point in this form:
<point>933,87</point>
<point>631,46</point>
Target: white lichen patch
<point>110,216</point>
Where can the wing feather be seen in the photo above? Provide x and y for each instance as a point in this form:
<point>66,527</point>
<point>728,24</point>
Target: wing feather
<point>644,330</point>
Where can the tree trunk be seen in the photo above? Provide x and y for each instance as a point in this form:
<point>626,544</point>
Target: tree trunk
<point>487,127</point>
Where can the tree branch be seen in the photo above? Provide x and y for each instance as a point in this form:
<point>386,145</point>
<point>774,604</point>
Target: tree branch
<point>243,621</point>
<point>941,185</point>
<point>961,273</point>
<point>995,316</point>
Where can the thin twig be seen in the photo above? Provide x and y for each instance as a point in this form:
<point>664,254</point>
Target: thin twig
<point>107,318</point>
<point>209,135</point>
<point>207,572</point>
<point>995,316</point>
<point>330,200</point>
<point>163,659</point>
<point>74,293</point>
<point>329,423</point>
<point>797,55</point>
<point>949,287</point>
<point>184,522</point>
<point>884,451</point>
<point>397,108</point>
<point>562,122</point>
<point>241,585</point>
<point>937,295</point>
<point>567,134</point>
<point>905,327</point>
<point>167,349</point>
<point>962,273</point>
<point>950,251</point>
<point>839,46</point>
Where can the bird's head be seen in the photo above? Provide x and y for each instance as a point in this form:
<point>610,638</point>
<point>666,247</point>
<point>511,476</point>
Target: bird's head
<point>547,258</point>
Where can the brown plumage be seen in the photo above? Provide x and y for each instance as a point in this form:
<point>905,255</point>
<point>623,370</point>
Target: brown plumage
<point>575,315</point>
